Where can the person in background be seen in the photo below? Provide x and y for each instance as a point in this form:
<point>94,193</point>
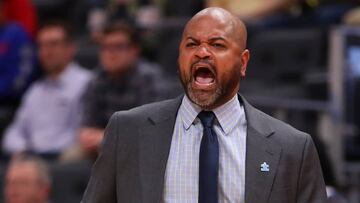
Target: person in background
<point>324,13</point>
<point>17,58</point>
<point>125,81</point>
<point>252,9</point>
<point>27,180</point>
<point>352,17</point>
<point>49,115</point>
<point>22,12</point>
<point>288,13</point>
<point>103,11</point>
<point>258,13</point>
<point>18,65</point>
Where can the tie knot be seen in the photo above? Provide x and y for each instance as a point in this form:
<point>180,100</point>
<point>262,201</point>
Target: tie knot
<point>207,118</point>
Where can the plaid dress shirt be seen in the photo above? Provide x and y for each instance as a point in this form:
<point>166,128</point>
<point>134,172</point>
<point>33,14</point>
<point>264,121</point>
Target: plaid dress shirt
<point>182,171</point>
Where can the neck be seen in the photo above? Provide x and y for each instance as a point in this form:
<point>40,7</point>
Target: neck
<point>55,74</point>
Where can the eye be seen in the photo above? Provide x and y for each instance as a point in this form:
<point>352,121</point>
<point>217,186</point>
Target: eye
<point>190,44</point>
<point>218,45</point>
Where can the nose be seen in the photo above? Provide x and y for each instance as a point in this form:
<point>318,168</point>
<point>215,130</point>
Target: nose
<point>202,52</point>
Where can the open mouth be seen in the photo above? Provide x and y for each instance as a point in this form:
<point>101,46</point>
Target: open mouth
<point>203,76</point>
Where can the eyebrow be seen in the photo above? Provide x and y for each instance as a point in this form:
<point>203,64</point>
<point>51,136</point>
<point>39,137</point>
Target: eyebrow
<point>191,38</point>
<point>217,38</point>
<point>212,39</point>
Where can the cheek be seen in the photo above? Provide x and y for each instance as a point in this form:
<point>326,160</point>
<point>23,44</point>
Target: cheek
<point>184,72</point>
<point>229,69</point>
<point>103,60</point>
<point>132,54</point>
<point>51,55</point>
<point>44,54</point>
<point>107,58</point>
<point>59,51</point>
<point>184,62</point>
<point>68,53</point>
<point>125,59</point>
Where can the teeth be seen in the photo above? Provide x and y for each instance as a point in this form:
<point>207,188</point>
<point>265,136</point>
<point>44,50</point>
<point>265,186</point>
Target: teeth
<point>204,80</point>
<point>204,77</point>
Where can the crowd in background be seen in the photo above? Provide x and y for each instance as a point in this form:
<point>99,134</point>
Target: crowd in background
<point>55,104</point>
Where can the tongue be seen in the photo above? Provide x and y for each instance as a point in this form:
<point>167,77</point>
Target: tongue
<point>204,78</point>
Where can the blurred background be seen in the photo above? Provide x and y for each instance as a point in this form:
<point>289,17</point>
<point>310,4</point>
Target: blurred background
<point>67,65</point>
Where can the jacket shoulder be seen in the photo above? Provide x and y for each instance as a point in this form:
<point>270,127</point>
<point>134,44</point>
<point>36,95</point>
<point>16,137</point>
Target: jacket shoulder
<point>152,110</point>
<point>282,133</point>
<point>280,126</point>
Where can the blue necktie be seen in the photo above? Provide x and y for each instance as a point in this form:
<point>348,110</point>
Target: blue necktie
<point>209,160</point>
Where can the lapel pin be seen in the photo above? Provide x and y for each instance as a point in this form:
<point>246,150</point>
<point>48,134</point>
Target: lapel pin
<point>264,167</point>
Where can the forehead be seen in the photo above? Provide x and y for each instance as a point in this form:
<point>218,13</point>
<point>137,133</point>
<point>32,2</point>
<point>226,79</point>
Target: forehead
<point>22,171</point>
<point>208,27</point>
<point>116,37</point>
<point>51,33</point>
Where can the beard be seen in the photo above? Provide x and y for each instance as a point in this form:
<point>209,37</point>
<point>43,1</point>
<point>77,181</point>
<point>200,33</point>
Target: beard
<point>223,89</point>
<point>208,99</point>
<point>204,99</point>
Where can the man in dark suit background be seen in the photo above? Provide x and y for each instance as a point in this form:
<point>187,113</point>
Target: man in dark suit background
<point>210,145</point>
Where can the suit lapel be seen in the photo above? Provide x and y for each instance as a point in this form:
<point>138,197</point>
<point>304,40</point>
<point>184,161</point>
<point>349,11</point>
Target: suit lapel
<point>259,149</point>
<point>154,148</point>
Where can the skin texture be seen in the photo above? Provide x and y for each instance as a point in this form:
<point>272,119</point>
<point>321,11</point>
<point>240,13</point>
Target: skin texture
<point>117,54</point>
<point>213,40</point>
<point>24,185</point>
<point>55,52</point>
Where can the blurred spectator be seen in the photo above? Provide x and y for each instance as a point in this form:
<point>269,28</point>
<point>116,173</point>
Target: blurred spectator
<point>250,10</point>
<point>142,12</point>
<point>124,82</point>
<point>103,11</point>
<point>261,14</point>
<point>286,13</point>
<point>17,58</point>
<point>48,117</point>
<point>27,180</point>
<point>352,17</point>
<point>22,12</point>
<point>323,12</point>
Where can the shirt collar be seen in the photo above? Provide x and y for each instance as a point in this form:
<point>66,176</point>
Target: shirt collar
<point>188,112</point>
<point>228,115</point>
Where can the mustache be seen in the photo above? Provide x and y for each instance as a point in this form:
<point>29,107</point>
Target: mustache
<point>204,61</point>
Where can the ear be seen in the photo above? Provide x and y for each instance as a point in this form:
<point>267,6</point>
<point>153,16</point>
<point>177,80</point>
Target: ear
<point>245,57</point>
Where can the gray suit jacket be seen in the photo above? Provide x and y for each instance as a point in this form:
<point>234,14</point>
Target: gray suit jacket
<point>132,162</point>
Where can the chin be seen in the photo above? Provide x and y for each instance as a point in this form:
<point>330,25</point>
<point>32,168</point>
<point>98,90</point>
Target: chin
<point>204,99</point>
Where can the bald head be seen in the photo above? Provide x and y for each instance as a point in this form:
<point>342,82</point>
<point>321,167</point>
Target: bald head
<point>213,57</point>
<point>232,24</point>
